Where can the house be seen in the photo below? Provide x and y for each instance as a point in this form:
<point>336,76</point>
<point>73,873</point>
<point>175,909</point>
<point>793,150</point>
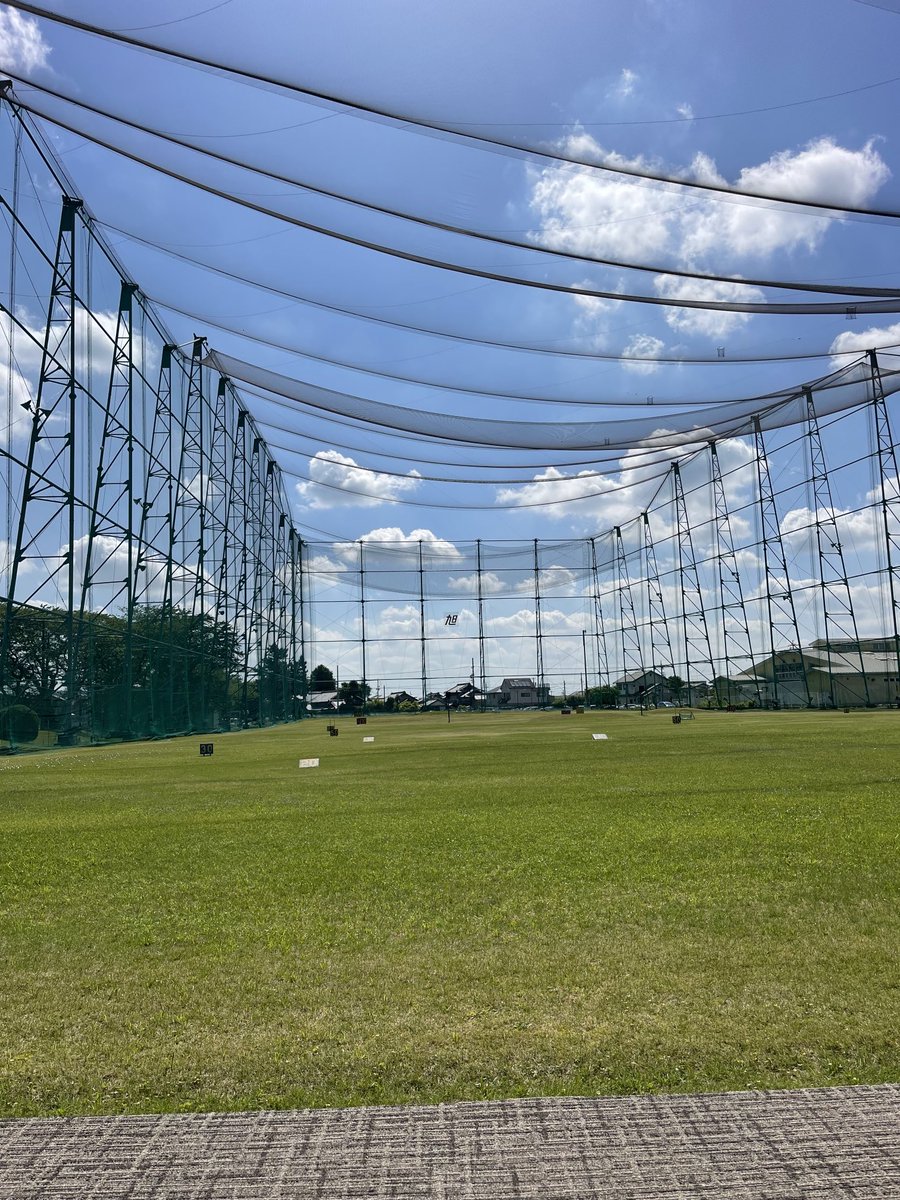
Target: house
<point>322,702</point>
<point>642,687</point>
<point>464,695</point>
<point>395,699</point>
<point>519,692</point>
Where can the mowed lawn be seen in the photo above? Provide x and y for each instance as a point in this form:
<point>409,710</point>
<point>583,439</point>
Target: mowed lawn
<point>494,907</point>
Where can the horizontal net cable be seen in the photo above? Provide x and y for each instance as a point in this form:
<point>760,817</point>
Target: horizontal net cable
<point>411,122</point>
<point>459,230</point>
<point>640,464</point>
<point>844,389</point>
<point>447,335</point>
<point>772,307</point>
<point>634,464</point>
<point>415,456</point>
<point>396,376</point>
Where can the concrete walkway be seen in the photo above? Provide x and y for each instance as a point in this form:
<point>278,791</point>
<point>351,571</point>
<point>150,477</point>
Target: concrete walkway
<point>791,1145</point>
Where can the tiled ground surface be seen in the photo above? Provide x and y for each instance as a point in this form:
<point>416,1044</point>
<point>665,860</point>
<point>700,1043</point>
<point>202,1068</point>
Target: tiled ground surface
<point>791,1145</point>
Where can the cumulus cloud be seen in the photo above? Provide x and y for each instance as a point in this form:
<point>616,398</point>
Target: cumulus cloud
<point>608,499</point>
<point>611,216</point>
<point>396,545</point>
<point>338,481</point>
<point>22,46</point>
<point>708,322</point>
<point>491,584</point>
<point>643,346</point>
<point>856,529</point>
<point>551,580</point>
<point>852,343</point>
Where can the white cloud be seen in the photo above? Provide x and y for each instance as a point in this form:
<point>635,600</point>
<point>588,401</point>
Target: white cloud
<point>708,322</point>
<point>624,85</point>
<point>643,346</point>
<point>685,111</point>
<point>398,547</point>
<point>591,212</point>
<point>852,343</point>
<point>338,481</point>
<point>491,584</point>
<point>606,500</point>
<point>22,46</point>
<point>606,215</point>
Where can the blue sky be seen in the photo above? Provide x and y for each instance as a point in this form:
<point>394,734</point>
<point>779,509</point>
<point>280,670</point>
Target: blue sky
<point>649,81</point>
<point>796,97</point>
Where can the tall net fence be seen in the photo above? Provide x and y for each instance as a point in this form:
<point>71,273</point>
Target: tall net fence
<point>148,559</point>
<point>153,580</point>
<point>757,570</point>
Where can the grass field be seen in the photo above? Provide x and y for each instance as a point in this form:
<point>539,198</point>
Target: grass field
<point>495,907</point>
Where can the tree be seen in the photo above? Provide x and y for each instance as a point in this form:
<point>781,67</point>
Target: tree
<point>321,679</point>
<point>19,723</point>
<point>675,684</point>
<point>353,695</point>
<point>281,684</point>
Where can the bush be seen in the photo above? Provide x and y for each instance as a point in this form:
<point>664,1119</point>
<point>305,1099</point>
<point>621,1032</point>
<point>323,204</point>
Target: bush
<point>19,723</point>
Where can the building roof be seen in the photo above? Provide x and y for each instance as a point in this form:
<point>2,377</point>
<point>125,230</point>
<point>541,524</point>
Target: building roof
<point>853,662</point>
<point>634,676</point>
<point>850,663</point>
<point>518,683</point>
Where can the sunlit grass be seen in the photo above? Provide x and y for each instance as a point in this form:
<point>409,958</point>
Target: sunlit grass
<point>495,907</point>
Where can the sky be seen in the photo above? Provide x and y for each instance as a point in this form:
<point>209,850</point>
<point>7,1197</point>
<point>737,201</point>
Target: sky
<point>793,97</point>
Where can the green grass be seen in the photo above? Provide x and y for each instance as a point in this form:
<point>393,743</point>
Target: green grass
<point>495,907</point>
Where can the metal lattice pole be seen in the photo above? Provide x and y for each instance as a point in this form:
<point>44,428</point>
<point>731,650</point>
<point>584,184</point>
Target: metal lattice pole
<point>632,650</point>
<point>661,658</point>
<point>889,497</point>
<point>736,643</point>
<point>599,628</point>
<point>48,486</point>
<point>695,629</point>
<point>782,615</point>
<point>834,585</point>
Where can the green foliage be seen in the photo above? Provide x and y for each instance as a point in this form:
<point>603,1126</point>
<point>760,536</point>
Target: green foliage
<point>408,706</point>
<point>321,679</point>
<point>19,724</point>
<point>495,906</point>
<point>352,695</point>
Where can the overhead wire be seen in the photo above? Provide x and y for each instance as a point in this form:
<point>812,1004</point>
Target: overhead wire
<point>423,124</point>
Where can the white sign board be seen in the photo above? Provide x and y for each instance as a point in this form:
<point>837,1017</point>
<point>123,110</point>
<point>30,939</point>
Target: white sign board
<point>369,739</point>
<point>308,762</point>
<point>600,737</point>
